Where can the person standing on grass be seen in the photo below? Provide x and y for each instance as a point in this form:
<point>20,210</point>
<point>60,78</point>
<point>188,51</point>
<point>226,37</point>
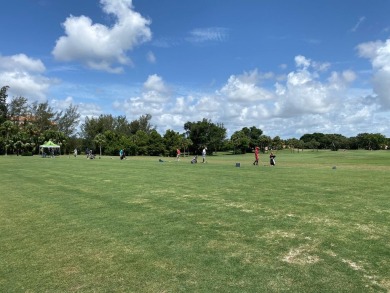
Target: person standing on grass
<point>121,154</point>
<point>256,162</point>
<point>75,153</point>
<point>272,160</point>
<point>178,154</point>
<point>204,154</point>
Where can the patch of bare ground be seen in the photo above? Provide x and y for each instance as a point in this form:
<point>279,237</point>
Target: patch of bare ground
<point>302,255</point>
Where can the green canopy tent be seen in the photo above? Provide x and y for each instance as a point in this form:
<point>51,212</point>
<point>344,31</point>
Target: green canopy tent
<point>48,145</point>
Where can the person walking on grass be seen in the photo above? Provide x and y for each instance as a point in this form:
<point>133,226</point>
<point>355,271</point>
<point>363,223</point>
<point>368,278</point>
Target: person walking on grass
<point>178,154</point>
<point>272,162</point>
<point>204,154</point>
<point>256,162</point>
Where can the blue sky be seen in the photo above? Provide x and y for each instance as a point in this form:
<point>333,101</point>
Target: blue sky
<point>287,67</point>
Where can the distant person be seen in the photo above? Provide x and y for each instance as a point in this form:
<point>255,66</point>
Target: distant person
<point>272,160</point>
<point>194,160</point>
<point>256,162</point>
<point>178,154</point>
<point>75,153</point>
<point>121,154</point>
<point>90,155</point>
<point>204,151</point>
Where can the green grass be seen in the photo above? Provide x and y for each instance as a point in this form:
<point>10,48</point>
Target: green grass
<point>76,225</point>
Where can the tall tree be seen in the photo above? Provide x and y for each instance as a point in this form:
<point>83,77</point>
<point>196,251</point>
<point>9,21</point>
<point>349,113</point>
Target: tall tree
<point>100,139</point>
<point>44,117</point>
<point>172,141</point>
<point>95,125</point>
<point>205,133</point>
<point>371,141</point>
<point>68,120</point>
<point>156,144</point>
<point>7,128</point>
<point>3,104</point>
<point>18,110</point>
<point>143,124</point>
<point>240,141</point>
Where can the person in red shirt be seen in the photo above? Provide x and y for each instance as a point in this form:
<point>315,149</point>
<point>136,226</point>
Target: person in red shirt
<point>178,154</point>
<point>256,162</point>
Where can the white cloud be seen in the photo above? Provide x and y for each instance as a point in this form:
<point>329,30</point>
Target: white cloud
<point>150,57</point>
<point>379,55</point>
<point>244,88</point>
<point>301,61</point>
<point>155,83</point>
<point>216,34</point>
<point>101,47</point>
<point>358,24</point>
<point>24,76</point>
<point>309,99</point>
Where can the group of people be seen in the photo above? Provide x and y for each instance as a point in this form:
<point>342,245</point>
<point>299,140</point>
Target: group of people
<point>195,158</point>
<point>272,157</point>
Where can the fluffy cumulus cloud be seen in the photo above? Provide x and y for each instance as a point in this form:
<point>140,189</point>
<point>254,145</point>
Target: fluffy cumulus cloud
<point>25,76</point>
<point>244,88</point>
<point>153,99</point>
<point>379,55</point>
<point>101,47</point>
<point>311,98</point>
<point>307,92</point>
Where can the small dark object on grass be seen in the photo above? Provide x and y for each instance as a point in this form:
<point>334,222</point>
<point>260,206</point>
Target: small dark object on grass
<point>334,167</point>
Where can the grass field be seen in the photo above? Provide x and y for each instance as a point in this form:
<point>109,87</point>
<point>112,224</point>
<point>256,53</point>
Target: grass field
<point>76,225</point>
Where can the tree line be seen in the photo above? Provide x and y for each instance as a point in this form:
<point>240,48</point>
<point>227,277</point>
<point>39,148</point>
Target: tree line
<point>24,126</point>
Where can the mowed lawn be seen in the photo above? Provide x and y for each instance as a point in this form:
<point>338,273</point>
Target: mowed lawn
<point>317,222</point>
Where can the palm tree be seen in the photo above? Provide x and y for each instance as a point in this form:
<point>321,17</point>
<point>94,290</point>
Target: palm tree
<point>7,126</point>
<point>100,139</point>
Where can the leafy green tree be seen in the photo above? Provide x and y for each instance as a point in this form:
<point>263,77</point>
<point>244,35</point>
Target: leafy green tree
<point>205,133</point>
<point>156,145</point>
<point>143,124</point>
<point>246,139</point>
<point>44,116</point>
<point>100,139</point>
<point>313,144</point>
<point>172,141</point>
<point>319,137</point>
<point>122,126</point>
<point>371,141</point>
<point>33,132</point>
<point>18,108</point>
<point>112,143</point>
<point>141,140</point>
<point>68,120</point>
<point>7,128</point>
<point>240,141</point>
<point>186,143</point>
<point>277,143</point>
<point>92,126</point>
<point>3,104</point>
<point>292,143</point>
<point>265,142</point>
<point>254,134</point>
